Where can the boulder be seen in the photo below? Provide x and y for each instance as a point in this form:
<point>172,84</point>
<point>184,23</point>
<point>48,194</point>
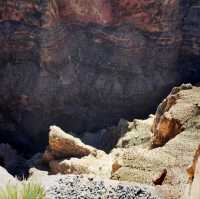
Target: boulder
<point>63,145</point>
<point>182,104</point>
<point>69,155</point>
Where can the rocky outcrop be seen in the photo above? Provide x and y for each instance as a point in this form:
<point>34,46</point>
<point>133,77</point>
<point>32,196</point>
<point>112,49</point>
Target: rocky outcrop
<point>144,166</point>
<point>164,166</point>
<point>83,66</point>
<point>138,134</point>
<point>174,112</point>
<point>63,145</point>
<point>68,155</point>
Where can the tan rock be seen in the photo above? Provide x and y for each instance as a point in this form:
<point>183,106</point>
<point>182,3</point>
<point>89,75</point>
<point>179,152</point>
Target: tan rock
<point>100,165</point>
<point>192,168</point>
<point>195,187</point>
<point>63,145</point>
<point>69,155</point>
<point>138,133</point>
<point>173,113</point>
<point>193,171</point>
<point>141,165</point>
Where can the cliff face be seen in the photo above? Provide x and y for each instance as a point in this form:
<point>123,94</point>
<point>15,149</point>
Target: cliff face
<point>85,64</point>
<point>190,54</point>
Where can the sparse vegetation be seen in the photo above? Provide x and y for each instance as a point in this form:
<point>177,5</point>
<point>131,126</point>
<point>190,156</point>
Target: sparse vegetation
<point>23,190</point>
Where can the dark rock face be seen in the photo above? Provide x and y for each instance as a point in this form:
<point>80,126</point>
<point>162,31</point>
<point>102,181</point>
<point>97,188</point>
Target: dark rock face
<point>190,54</point>
<point>83,66</point>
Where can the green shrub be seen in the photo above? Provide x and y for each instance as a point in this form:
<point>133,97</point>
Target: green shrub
<point>23,190</point>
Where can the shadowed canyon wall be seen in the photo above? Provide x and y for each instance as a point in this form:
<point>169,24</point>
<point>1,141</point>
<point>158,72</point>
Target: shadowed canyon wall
<point>84,64</point>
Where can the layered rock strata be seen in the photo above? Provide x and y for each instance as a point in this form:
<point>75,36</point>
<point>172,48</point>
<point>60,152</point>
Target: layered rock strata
<point>83,66</point>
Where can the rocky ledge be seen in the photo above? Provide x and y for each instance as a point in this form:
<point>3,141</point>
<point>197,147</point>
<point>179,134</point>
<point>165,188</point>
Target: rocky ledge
<point>157,153</point>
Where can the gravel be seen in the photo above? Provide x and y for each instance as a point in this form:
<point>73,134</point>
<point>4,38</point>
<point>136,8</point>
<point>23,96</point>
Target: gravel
<point>80,187</point>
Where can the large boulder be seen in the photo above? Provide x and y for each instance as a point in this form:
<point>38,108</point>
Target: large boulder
<point>69,155</point>
<point>63,145</point>
<point>173,114</point>
<point>83,65</point>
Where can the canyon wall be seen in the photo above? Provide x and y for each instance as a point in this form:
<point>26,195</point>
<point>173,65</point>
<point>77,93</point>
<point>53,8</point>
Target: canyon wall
<point>190,53</point>
<point>84,64</point>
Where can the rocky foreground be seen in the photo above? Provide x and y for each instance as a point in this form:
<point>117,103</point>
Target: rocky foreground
<point>73,187</point>
<point>150,160</point>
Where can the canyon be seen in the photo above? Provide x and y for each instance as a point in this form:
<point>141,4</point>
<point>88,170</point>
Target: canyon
<point>83,65</point>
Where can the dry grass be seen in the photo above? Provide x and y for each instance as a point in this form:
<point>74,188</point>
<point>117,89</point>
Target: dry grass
<point>23,190</point>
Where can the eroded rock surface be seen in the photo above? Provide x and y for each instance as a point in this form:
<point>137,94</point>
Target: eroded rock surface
<point>167,164</point>
<point>69,155</point>
<point>192,190</point>
<point>143,165</point>
<point>83,66</point>
<point>182,104</point>
<point>138,134</point>
<point>63,145</point>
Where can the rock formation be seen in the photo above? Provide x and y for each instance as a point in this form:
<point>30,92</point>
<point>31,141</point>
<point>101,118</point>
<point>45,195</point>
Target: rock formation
<point>134,159</point>
<point>86,169</point>
<point>173,113</point>
<point>83,66</point>
<point>68,155</point>
<point>166,164</point>
<point>65,145</point>
<point>192,189</point>
<point>138,133</point>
